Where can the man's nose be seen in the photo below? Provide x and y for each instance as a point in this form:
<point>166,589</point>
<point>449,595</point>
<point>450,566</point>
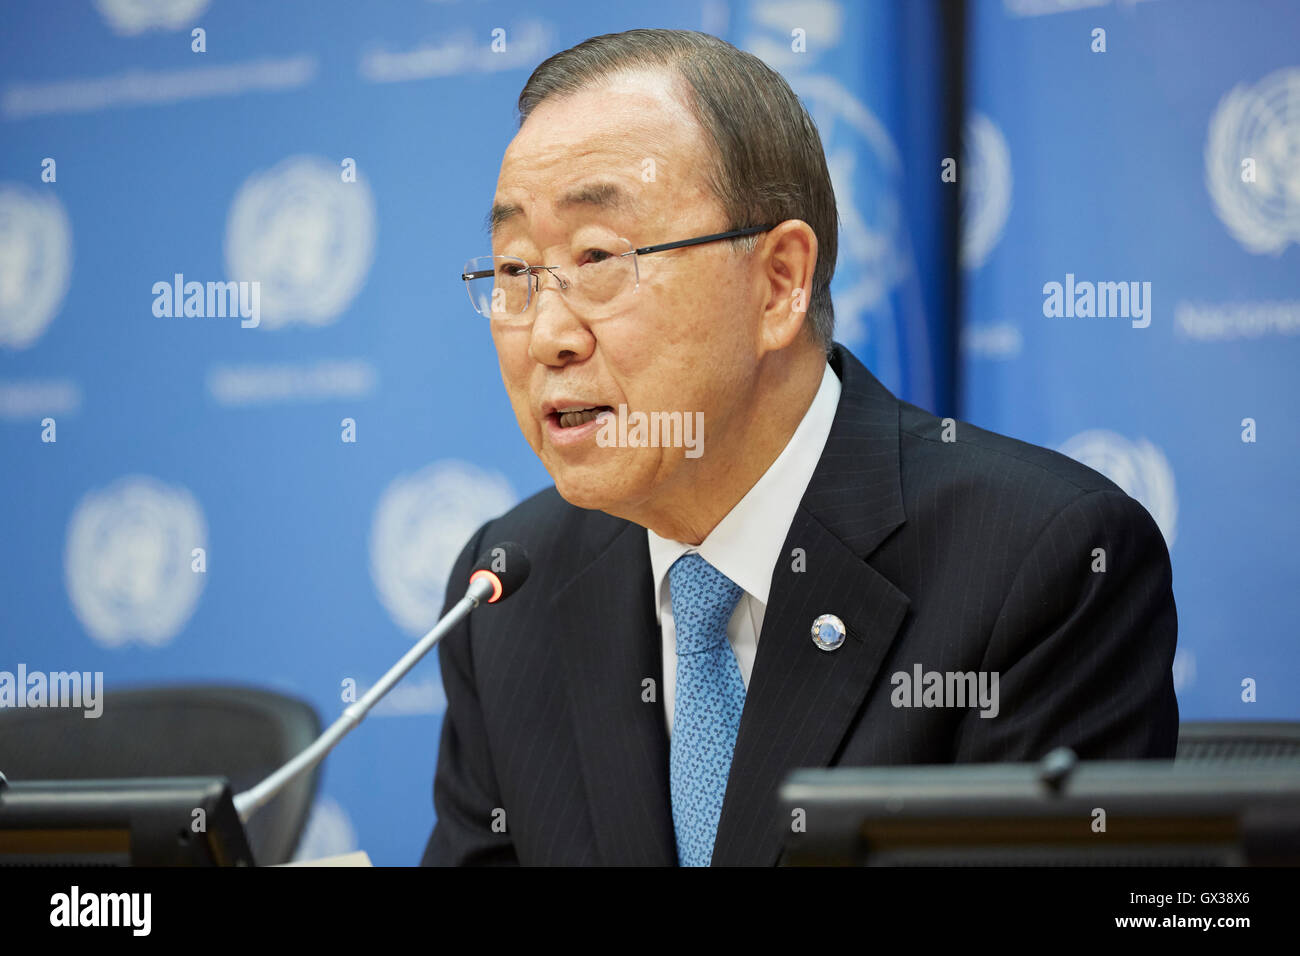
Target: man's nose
<point>558,335</point>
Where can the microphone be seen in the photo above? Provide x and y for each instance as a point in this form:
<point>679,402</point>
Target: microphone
<point>500,572</point>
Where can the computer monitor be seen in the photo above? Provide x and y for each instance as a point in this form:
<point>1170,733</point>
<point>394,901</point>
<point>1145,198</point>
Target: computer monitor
<point>177,821</point>
<point>1059,812</point>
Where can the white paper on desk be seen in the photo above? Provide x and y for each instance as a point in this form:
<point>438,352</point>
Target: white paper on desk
<point>359,858</point>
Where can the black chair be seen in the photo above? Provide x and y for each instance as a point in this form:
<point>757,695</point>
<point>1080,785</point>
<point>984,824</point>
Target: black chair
<point>1243,740</point>
<point>241,733</point>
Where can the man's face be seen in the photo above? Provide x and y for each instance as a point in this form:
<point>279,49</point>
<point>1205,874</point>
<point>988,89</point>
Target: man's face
<point>685,341</point>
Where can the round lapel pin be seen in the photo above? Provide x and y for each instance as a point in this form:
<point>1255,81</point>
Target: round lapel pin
<point>828,632</point>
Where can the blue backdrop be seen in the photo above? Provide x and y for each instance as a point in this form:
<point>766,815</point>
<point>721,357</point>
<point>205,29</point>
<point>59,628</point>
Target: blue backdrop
<point>198,498</point>
<point>1171,160</point>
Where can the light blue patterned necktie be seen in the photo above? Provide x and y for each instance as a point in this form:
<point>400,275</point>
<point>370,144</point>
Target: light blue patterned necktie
<point>710,696</point>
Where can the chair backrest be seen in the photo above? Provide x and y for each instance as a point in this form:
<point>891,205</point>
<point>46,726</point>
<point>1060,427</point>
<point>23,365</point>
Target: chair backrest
<point>1238,740</point>
<point>241,733</point>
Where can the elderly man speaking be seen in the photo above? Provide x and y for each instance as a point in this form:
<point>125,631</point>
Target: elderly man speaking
<point>789,583</point>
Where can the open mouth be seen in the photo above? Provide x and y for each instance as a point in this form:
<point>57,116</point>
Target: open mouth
<point>573,417</point>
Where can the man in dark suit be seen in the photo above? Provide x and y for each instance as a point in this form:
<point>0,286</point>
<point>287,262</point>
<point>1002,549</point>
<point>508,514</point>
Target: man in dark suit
<point>710,611</point>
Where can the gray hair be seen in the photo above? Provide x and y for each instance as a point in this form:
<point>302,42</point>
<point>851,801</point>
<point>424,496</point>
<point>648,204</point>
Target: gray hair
<point>769,166</point>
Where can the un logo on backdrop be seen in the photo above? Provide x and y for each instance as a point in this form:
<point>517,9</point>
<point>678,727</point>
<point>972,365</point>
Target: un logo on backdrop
<point>35,262</point>
<point>985,177</point>
<point>129,17</point>
<point>128,561</point>
<point>1259,124</point>
<point>421,523</point>
<point>875,251</point>
<point>1138,467</point>
<point>306,236</point>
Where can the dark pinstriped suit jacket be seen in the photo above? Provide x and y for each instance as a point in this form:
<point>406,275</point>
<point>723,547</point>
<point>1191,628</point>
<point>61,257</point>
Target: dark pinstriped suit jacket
<point>966,555</point>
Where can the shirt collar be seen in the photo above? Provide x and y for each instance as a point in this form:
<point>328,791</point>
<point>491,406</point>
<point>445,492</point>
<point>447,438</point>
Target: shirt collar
<point>746,543</point>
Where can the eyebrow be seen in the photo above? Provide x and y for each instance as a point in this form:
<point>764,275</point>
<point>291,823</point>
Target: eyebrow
<point>608,196</point>
<point>500,213</point>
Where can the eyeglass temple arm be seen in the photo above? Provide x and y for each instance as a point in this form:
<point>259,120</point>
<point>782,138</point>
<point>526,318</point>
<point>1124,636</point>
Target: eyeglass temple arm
<point>698,240</point>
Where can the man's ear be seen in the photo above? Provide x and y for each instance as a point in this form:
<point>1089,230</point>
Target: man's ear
<point>787,257</point>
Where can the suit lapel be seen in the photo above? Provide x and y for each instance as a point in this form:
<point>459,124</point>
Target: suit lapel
<point>610,645</point>
<point>801,700</point>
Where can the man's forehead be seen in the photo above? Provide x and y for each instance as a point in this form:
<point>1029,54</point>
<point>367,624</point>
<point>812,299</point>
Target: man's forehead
<point>589,150</point>
<point>596,194</point>
<point>619,114</point>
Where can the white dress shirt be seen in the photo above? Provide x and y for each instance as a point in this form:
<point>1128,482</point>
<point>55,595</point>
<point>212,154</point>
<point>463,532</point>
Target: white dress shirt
<point>746,544</point>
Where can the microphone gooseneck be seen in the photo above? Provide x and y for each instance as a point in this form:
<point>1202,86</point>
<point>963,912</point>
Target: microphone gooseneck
<point>500,572</point>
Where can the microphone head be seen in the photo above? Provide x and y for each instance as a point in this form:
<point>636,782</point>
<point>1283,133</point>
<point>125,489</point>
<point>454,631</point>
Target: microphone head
<point>506,566</point>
